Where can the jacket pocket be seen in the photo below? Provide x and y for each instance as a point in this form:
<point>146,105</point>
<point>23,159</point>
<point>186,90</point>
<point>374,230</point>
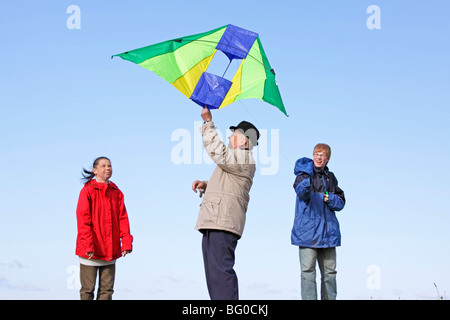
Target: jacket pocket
<point>210,209</point>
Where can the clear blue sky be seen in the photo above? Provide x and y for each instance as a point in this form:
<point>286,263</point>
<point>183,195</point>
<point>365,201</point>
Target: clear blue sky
<point>379,97</point>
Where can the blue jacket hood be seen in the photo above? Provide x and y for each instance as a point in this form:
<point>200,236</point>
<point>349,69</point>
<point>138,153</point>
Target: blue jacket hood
<point>304,165</point>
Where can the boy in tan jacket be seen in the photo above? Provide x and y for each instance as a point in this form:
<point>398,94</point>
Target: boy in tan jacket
<point>222,213</point>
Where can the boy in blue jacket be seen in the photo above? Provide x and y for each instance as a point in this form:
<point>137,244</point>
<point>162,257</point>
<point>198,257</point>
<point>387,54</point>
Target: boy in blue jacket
<point>316,228</point>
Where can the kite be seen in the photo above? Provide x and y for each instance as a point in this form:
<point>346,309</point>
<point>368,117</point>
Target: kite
<point>183,62</point>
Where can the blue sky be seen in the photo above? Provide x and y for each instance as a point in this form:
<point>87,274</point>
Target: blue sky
<point>379,97</point>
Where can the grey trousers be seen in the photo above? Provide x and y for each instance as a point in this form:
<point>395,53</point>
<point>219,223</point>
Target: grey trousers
<point>326,258</point>
<point>88,277</point>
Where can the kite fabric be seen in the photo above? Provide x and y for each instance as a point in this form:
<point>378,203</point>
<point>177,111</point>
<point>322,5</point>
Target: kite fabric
<point>183,62</point>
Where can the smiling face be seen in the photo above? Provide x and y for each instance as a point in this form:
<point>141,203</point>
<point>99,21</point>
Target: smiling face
<point>321,155</point>
<point>103,170</point>
<point>320,159</point>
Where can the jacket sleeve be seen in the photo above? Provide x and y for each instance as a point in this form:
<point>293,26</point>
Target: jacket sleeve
<point>84,221</point>
<point>222,155</point>
<point>336,201</point>
<point>302,186</point>
<point>124,225</point>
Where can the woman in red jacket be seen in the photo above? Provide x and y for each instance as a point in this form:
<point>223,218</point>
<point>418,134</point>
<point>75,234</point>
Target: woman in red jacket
<point>103,230</point>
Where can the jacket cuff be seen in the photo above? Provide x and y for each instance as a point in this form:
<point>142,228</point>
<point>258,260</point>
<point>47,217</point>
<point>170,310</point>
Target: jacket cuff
<point>206,125</point>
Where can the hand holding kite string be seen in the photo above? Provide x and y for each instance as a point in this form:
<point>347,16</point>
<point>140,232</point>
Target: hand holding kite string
<point>200,186</point>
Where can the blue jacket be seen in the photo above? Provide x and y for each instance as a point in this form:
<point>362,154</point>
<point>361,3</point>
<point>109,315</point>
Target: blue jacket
<point>315,223</point>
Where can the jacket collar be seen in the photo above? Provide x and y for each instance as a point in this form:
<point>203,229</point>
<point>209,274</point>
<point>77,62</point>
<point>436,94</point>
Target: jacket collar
<point>101,186</point>
<point>323,171</point>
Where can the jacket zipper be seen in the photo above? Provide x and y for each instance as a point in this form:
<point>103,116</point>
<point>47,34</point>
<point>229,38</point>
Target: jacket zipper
<point>324,210</point>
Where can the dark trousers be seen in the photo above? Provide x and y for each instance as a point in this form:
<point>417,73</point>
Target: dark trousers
<point>88,277</point>
<point>218,256</point>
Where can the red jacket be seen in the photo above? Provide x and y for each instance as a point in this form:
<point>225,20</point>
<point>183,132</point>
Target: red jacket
<point>102,222</point>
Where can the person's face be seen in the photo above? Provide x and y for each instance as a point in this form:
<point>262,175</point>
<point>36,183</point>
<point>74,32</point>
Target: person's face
<point>237,140</point>
<point>320,159</point>
<point>103,170</point>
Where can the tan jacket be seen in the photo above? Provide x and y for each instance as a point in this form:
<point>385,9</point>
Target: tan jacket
<point>226,197</point>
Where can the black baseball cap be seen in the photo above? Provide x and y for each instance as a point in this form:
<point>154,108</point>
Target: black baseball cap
<point>249,130</point>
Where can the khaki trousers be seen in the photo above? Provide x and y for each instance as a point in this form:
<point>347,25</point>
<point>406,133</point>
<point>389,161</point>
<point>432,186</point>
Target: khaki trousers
<point>88,277</point>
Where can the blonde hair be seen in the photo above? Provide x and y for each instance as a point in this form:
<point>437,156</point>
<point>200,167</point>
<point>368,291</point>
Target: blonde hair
<point>322,147</point>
